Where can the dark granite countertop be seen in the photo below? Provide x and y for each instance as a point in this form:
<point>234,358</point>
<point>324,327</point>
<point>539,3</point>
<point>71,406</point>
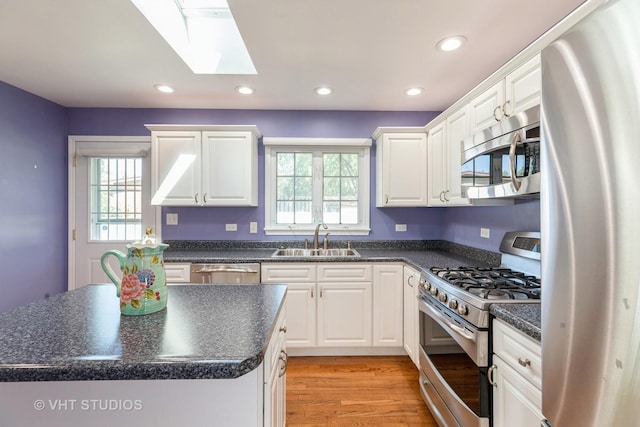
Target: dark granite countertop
<point>206,332</point>
<point>440,254</point>
<point>524,317</point>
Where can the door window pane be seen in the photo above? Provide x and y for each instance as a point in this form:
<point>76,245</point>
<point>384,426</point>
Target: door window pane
<point>115,211</point>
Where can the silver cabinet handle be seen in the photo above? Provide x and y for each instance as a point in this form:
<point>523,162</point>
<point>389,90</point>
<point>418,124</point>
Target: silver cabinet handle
<point>196,197</point>
<point>490,372</point>
<point>446,199</point>
<point>311,293</point>
<point>284,329</point>
<point>204,197</point>
<point>285,362</point>
<point>498,109</point>
<point>512,160</point>
<point>524,362</point>
<point>386,198</point>
<point>409,280</point>
<point>442,196</point>
<point>504,108</point>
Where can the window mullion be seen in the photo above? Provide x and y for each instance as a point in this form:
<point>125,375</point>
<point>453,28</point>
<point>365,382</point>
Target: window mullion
<point>317,187</point>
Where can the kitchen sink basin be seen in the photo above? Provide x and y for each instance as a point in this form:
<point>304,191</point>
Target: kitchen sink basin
<point>301,253</point>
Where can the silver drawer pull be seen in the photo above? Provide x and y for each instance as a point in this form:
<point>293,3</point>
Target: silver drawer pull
<point>524,362</point>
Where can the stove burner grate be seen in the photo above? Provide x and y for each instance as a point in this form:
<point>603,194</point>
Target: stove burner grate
<point>491,283</point>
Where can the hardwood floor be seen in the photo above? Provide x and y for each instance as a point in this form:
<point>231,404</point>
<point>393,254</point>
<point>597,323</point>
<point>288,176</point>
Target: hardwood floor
<point>355,391</point>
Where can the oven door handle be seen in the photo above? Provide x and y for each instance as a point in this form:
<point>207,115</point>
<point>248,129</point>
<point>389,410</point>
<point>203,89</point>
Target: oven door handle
<point>441,318</point>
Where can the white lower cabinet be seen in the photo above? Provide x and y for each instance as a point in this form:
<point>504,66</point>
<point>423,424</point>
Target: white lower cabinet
<point>410,318</point>
<point>387,305</point>
<point>344,305</point>
<point>341,305</point>
<point>275,380</point>
<point>515,374</point>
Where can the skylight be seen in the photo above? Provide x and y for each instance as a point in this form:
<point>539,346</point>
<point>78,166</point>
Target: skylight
<point>202,32</point>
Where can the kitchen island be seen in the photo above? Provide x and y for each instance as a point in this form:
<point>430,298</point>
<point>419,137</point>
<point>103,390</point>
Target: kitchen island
<point>73,359</point>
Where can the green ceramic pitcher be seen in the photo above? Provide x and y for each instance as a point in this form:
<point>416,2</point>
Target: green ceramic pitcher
<point>143,286</point>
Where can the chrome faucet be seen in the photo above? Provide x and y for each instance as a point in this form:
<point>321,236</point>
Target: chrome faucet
<point>315,234</point>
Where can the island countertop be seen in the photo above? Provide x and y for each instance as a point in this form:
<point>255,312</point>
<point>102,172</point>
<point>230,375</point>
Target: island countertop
<point>206,332</point>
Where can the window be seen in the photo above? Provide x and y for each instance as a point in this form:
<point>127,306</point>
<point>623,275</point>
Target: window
<point>115,198</point>
<point>313,180</point>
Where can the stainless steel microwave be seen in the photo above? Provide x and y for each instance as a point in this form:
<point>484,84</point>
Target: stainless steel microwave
<point>503,161</point>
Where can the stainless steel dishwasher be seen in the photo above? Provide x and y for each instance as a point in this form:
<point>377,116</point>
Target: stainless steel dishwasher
<point>225,273</point>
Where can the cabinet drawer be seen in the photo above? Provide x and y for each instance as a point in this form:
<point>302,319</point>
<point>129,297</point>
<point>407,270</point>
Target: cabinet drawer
<point>177,272</point>
<point>347,272</point>
<point>518,350</point>
<point>288,273</point>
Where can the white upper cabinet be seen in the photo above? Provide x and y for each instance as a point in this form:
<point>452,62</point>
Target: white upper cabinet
<point>444,142</point>
<point>519,90</point>
<point>204,165</point>
<point>401,167</point>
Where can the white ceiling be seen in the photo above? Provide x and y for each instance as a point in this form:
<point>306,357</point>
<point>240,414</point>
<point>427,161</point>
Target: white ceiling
<point>103,53</point>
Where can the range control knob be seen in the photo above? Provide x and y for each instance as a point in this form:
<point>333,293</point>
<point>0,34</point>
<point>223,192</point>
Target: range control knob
<point>425,285</point>
<point>462,310</point>
<point>433,291</point>
<point>442,297</point>
<point>453,304</point>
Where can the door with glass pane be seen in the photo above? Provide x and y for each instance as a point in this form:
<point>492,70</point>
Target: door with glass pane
<point>112,208</point>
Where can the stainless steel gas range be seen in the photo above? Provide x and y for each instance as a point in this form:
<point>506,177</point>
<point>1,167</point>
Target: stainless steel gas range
<point>455,329</point>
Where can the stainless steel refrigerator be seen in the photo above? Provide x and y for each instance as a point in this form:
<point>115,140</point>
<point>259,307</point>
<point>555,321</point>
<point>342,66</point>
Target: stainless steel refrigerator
<point>590,222</point>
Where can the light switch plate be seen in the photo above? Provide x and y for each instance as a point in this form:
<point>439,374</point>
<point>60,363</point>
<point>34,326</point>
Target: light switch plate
<point>401,227</point>
<point>172,219</point>
<point>231,227</point>
<point>253,227</point>
<point>485,232</point>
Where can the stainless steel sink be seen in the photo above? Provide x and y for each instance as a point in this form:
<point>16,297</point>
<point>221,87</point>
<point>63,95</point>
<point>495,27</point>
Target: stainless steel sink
<point>301,253</point>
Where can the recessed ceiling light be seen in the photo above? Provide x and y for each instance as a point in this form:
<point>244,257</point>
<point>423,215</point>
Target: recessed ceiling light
<point>245,90</point>
<point>450,43</point>
<point>323,90</point>
<point>413,91</point>
<point>164,88</point>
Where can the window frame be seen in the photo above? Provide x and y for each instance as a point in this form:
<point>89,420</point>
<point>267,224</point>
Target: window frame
<point>360,146</point>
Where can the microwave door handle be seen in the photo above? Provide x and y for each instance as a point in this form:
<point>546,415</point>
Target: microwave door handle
<point>512,160</point>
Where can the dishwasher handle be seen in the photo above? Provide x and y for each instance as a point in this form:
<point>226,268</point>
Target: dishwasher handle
<point>222,269</point>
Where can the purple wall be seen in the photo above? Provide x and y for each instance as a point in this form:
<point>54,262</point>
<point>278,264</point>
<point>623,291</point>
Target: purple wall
<point>209,223</point>
<point>33,197</point>
<point>462,224</point>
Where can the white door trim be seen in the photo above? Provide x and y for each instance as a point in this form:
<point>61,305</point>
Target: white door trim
<point>73,140</point>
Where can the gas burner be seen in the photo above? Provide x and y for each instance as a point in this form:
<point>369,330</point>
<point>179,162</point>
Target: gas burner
<point>491,283</point>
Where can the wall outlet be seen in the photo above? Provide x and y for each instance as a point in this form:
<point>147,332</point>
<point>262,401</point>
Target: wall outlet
<point>485,232</point>
<point>253,227</point>
<point>401,227</point>
<point>231,227</point>
<point>172,219</point>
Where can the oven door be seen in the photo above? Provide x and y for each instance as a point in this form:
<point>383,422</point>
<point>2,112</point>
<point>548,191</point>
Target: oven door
<point>453,378</point>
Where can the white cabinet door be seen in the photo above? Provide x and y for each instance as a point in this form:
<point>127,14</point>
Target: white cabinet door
<point>301,299</point>
<point>516,402</point>
<point>437,153</point>
<point>344,314</point>
<point>301,314</point>
<point>387,305</point>
<point>230,169</point>
<point>523,87</point>
<point>204,165</point>
<point>275,363</point>
<point>411,339</point>
<point>176,168</point>
<point>485,109</point>
<point>457,130</point>
<point>401,170</point>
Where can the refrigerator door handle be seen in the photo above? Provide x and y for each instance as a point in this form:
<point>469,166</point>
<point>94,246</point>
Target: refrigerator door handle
<point>545,423</point>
